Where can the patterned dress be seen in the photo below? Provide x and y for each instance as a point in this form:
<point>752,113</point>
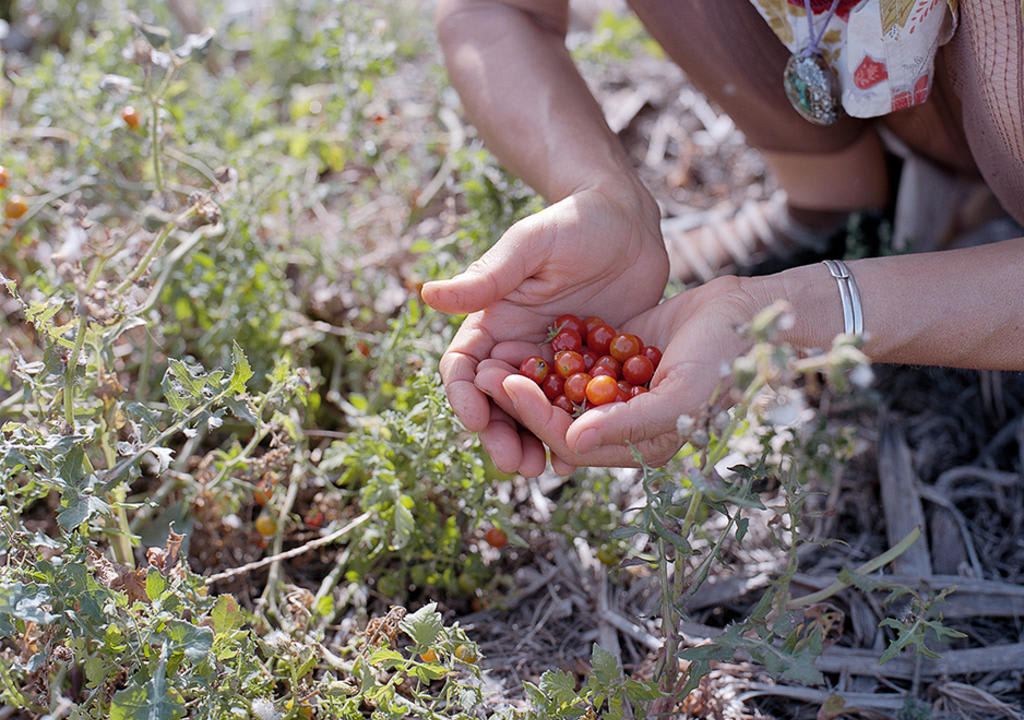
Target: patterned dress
<point>883,51</point>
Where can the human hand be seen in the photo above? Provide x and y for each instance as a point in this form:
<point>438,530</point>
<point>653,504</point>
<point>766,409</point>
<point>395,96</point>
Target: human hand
<point>595,252</point>
<point>698,333</point>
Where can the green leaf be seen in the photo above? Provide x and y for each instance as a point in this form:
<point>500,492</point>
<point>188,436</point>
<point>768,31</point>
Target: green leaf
<point>155,583</point>
<point>558,685</point>
<point>423,626</point>
<point>80,508</point>
<point>387,658</point>
<point>150,700</point>
<point>242,370</point>
<point>195,642</point>
<point>405,524</point>
<point>192,385</point>
<point>606,669</point>
<point>226,615</point>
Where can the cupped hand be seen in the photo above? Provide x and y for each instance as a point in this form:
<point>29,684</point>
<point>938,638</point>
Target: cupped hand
<point>596,252</point>
<point>698,332</point>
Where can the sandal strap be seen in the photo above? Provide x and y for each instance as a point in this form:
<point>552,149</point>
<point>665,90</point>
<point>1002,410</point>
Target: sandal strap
<point>756,232</point>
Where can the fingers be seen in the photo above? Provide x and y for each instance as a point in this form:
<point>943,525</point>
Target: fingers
<point>647,422</point>
<point>490,278</point>
<point>602,436</point>
<point>458,372</point>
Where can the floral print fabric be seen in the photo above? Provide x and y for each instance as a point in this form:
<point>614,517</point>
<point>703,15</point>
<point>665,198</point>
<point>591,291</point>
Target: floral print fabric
<point>883,51</point>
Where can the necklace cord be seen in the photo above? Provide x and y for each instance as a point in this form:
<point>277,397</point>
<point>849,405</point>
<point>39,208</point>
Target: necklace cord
<point>814,38</point>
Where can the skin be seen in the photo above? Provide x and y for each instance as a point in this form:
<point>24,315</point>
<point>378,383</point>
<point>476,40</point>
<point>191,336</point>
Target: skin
<point>596,250</point>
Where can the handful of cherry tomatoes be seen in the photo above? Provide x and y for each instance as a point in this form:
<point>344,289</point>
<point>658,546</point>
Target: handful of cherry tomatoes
<point>593,365</point>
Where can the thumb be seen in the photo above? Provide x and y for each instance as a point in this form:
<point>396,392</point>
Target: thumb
<point>491,277</point>
<point>647,423</point>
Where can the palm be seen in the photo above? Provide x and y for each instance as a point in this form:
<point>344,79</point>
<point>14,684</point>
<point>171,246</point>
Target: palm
<point>588,254</point>
<point>696,331</point>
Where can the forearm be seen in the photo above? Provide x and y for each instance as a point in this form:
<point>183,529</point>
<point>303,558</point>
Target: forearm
<point>958,308</point>
<point>521,90</point>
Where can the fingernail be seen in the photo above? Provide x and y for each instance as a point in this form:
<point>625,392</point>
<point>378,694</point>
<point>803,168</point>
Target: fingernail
<point>586,442</point>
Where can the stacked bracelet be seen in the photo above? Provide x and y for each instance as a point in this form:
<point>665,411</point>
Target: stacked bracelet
<point>853,314</point>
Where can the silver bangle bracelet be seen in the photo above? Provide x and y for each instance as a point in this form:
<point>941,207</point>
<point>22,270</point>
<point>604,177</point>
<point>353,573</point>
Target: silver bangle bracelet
<point>853,313</point>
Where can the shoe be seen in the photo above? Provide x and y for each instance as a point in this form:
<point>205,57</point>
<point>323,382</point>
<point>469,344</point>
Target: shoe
<point>762,236</point>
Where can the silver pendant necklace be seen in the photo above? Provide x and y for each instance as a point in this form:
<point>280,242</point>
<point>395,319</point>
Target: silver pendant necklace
<point>810,82</point>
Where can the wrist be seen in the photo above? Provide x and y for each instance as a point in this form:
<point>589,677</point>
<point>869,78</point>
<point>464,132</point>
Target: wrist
<point>814,299</point>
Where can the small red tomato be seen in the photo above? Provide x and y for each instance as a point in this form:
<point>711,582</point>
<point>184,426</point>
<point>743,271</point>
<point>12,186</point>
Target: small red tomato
<point>567,340</point>
<point>496,538</point>
<point>262,493</point>
<point>563,403</point>
<point>569,362</point>
<point>5,179</point>
<point>569,322</point>
<point>638,370</point>
<point>576,387</point>
<point>652,353</point>
<point>637,390</point>
<point>624,345</point>
<point>589,357</point>
<point>15,207</point>
<point>553,385</point>
<point>363,348</point>
<point>607,365</point>
<point>602,390</point>
<point>535,368</point>
<point>591,322</point>
<point>599,338</point>
<point>130,116</point>
<point>315,519</point>
<point>625,390</point>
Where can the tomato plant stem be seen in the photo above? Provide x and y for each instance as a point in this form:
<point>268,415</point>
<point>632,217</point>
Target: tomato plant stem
<point>869,567</point>
<point>69,370</point>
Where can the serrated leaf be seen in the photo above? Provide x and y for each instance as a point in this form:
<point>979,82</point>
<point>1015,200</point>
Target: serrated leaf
<point>385,657</point>
<point>638,692</point>
<point>188,381</point>
<point>558,685</point>
<point>242,370</point>
<point>606,669</point>
<point>423,626</point>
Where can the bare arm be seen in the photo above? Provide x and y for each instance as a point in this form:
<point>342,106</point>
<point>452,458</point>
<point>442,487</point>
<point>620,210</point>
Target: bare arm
<point>959,308</point>
<point>521,90</point>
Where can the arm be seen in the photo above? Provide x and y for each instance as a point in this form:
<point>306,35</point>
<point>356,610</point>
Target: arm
<point>961,308</point>
<point>521,90</point>
<point>597,249</point>
<point>958,308</point>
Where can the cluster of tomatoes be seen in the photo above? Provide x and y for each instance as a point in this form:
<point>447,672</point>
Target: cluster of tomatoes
<point>593,364</point>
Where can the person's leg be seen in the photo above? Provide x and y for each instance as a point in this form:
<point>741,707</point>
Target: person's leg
<point>730,54</point>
